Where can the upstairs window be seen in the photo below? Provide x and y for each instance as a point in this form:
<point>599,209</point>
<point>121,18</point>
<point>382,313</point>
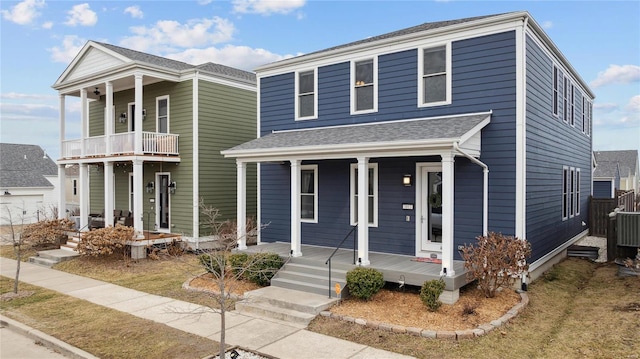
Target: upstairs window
<point>589,118</point>
<point>306,90</point>
<point>556,84</point>
<point>584,115</point>
<point>572,118</point>
<point>565,105</point>
<point>364,94</point>
<point>435,76</point>
<point>162,111</point>
<point>309,193</point>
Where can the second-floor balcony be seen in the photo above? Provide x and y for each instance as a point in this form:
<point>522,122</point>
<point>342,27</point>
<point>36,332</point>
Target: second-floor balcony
<point>153,143</point>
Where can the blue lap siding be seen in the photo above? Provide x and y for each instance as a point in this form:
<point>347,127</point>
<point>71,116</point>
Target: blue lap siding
<point>602,189</point>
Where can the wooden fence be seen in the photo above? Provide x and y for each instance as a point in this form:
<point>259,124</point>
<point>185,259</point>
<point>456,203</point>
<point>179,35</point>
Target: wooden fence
<point>599,209</point>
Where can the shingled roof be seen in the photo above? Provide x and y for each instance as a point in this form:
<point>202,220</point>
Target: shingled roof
<point>25,166</point>
<point>626,159</point>
<point>160,61</point>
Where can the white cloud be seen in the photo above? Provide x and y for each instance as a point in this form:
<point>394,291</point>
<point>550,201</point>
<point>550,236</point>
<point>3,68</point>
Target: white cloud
<point>205,2</point>
<point>81,14</point>
<point>22,96</point>
<point>47,25</point>
<point>134,11</point>
<point>241,57</point>
<point>24,12</point>
<point>547,24</point>
<point>266,7</point>
<point>605,107</point>
<point>634,105</point>
<point>168,35</point>
<point>71,45</point>
<point>617,74</point>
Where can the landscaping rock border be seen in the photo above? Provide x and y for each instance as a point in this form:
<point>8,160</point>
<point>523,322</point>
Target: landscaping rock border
<point>480,330</point>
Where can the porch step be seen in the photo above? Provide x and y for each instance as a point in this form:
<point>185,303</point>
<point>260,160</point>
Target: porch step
<point>284,304</point>
<point>52,257</point>
<point>312,277</point>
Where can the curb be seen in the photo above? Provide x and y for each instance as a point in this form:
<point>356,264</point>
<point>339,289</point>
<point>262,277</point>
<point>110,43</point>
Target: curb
<point>45,339</point>
<point>478,331</point>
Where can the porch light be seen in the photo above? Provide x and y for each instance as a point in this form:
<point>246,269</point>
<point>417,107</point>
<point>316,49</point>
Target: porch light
<point>172,187</point>
<point>144,114</point>
<point>123,117</point>
<point>406,180</point>
<point>97,92</point>
<point>150,187</point>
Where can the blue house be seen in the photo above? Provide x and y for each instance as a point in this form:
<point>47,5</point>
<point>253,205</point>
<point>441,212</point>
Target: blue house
<point>451,129</point>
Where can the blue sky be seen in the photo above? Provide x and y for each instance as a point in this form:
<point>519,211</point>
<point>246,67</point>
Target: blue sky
<point>39,38</point>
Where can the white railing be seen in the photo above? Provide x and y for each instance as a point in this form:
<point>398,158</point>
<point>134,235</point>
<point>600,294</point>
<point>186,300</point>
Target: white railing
<point>122,144</point>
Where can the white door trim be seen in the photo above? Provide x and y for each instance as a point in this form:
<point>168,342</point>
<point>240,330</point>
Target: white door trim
<point>420,206</point>
<point>158,204</point>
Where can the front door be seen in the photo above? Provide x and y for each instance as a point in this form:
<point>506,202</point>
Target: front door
<point>430,211</point>
<point>163,212</point>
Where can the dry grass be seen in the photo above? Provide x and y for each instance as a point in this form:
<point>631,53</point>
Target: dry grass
<point>104,332</point>
<point>578,310</point>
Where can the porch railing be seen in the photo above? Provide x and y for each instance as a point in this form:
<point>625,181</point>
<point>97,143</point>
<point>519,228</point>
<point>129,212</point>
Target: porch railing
<point>352,231</point>
<point>121,143</point>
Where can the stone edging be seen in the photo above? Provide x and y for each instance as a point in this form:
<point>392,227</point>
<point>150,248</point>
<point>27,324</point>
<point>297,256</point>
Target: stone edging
<point>480,330</point>
<point>187,286</point>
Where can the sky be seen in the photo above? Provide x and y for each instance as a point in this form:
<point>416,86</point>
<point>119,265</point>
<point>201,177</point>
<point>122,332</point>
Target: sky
<point>39,38</point>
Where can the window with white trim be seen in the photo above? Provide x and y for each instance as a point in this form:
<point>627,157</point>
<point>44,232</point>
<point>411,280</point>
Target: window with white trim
<point>572,193</point>
<point>589,118</point>
<point>565,104</point>
<point>556,84</point>
<point>565,192</point>
<point>584,110</point>
<point>572,119</point>
<point>162,114</point>
<point>364,86</point>
<point>577,200</point>
<point>434,70</point>
<point>306,95</point>
<point>372,194</point>
<point>309,193</point>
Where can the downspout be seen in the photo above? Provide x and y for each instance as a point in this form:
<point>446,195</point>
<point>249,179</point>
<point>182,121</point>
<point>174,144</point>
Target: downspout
<point>485,187</point>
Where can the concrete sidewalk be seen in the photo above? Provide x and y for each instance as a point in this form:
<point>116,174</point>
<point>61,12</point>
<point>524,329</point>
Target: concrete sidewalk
<point>269,336</point>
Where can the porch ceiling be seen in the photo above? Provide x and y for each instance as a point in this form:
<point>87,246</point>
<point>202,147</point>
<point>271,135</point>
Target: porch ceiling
<point>406,137</point>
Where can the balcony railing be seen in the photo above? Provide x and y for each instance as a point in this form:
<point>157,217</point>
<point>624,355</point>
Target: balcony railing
<point>121,144</point>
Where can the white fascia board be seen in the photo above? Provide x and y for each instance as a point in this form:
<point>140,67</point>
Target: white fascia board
<point>481,27</point>
<point>209,77</point>
<point>464,138</point>
<point>80,55</point>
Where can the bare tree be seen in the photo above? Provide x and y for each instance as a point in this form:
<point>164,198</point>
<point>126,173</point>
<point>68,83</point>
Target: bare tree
<point>17,240</point>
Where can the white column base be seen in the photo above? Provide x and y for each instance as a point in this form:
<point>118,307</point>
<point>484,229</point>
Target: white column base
<point>450,296</point>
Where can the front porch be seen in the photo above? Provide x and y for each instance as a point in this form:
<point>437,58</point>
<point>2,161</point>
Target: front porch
<point>394,267</point>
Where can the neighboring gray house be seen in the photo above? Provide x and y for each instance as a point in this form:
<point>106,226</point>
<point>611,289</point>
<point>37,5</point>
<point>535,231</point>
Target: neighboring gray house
<point>28,180</point>
<point>616,169</point>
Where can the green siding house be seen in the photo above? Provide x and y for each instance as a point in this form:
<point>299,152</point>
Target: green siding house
<point>151,133</point>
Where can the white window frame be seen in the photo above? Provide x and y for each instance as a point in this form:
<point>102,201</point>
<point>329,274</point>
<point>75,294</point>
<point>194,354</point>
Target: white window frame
<point>447,72</point>
<point>565,99</point>
<point>589,118</point>
<point>313,168</point>
<point>577,200</point>
<point>354,86</point>
<point>572,119</point>
<point>584,109</point>
<point>572,192</point>
<point>158,99</point>
<point>352,194</point>
<point>315,95</point>
<point>565,192</point>
<point>555,100</point>
<point>130,115</point>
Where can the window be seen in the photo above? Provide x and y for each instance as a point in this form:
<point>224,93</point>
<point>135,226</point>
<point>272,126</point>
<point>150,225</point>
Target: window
<point>565,192</point>
<point>573,122</point>
<point>75,187</point>
<point>162,110</point>
<point>584,114</point>
<point>572,194</point>
<point>364,96</point>
<point>565,105</point>
<point>306,89</point>
<point>556,84</point>
<point>577,200</point>
<point>373,194</point>
<point>309,193</point>
<point>590,107</point>
<point>435,76</point>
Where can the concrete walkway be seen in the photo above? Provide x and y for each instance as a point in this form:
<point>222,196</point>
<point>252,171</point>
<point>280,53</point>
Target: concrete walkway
<point>269,336</point>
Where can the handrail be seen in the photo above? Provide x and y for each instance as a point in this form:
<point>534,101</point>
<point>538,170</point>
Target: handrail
<point>353,230</point>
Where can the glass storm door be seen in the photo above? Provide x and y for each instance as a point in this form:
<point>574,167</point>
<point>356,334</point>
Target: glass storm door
<point>162,202</point>
<point>431,210</point>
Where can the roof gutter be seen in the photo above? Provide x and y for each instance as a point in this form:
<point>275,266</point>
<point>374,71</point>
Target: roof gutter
<point>485,187</point>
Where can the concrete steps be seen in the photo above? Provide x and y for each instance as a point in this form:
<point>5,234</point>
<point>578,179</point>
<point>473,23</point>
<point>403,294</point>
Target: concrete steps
<point>72,243</point>
<point>313,277</point>
<point>51,257</point>
<point>284,304</point>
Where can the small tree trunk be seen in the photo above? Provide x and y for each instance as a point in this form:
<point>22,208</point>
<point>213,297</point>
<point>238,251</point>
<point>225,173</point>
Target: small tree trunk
<point>223,311</point>
<point>18,252</point>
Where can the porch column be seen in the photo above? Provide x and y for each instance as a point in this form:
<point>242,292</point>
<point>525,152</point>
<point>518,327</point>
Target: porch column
<point>296,243</point>
<point>84,121</point>
<point>84,196</point>
<point>241,217</point>
<point>138,115</point>
<point>62,192</point>
<point>62,115</point>
<point>137,198</point>
<point>447,215</point>
<point>108,114</point>
<point>108,194</point>
<point>363,211</point>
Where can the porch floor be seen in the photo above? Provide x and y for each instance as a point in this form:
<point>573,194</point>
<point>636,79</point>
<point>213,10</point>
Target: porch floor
<point>392,266</point>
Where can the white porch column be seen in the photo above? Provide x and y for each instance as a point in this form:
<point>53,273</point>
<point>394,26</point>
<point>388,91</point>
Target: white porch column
<point>241,217</point>
<point>84,121</point>
<point>62,126</point>
<point>296,242</point>
<point>108,194</point>
<point>108,120</point>
<point>84,196</point>
<point>138,211</point>
<point>363,211</point>
<point>138,114</point>
<point>62,192</point>
<point>447,214</point>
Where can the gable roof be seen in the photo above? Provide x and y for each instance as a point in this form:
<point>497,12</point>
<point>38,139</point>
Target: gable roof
<point>607,169</point>
<point>627,159</point>
<point>25,166</point>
